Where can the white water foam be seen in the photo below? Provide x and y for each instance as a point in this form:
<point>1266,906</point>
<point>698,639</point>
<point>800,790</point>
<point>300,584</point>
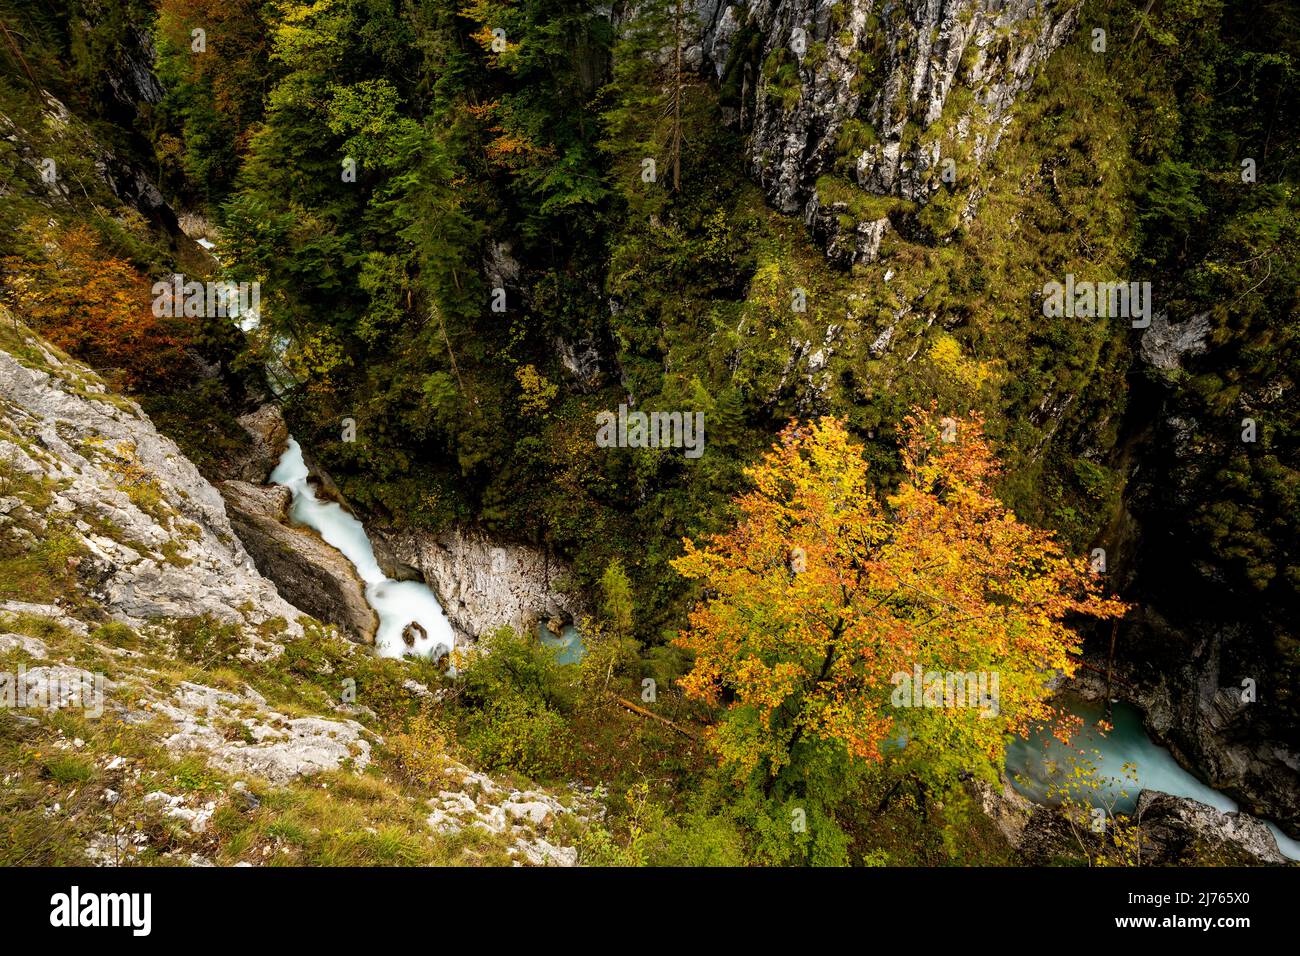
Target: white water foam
<point>397,603</point>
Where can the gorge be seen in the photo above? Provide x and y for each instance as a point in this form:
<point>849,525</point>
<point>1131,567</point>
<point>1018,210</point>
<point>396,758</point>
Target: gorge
<point>411,620</point>
<point>271,531</point>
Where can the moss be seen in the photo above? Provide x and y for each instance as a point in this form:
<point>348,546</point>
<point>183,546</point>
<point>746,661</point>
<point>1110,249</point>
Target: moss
<point>173,552</point>
<point>858,204</point>
<point>816,55</point>
<point>941,215</point>
<point>855,135</point>
<point>34,491</point>
<point>781,80</point>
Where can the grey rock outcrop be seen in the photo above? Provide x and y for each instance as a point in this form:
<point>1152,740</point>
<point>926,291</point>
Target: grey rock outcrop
<point>875,95</point>
<point>525,817</point>
<point>1164,344</point>
<point>1173,827</point>
<point>30,646</point>
<point>582,361</point>
<point>1009,811</point>
<point>1163,830</point>
<point>277,748</point>
<point>481,584</point>
<point>308,572</point>
<point>269,436</point>
<point>154,535</point>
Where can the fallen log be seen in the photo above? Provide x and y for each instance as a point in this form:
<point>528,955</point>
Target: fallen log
<point>636,709</point>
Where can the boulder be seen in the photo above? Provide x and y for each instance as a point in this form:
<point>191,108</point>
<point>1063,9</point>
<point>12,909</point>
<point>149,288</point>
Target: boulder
<point>29,645</point>
<point>269,436</point>
<point>413,633</point>
<point>1177,830</point>
<point>308,572</point>
<point>482,584</point>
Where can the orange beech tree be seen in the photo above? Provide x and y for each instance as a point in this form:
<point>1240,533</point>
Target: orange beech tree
<point>824,603</point>
<point>98,308</point>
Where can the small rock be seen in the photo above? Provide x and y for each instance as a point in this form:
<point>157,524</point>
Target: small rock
<point>30,645</point>
<point>412,633</point>
<point>534,811</point>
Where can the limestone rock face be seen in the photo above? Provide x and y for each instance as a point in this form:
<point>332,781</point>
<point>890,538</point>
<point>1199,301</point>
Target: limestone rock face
<point>156,537</point>
<point>582,360</point>
<point>525,817</point>
<point>874,95</point>
<point>481,584</point>
<point>1009,811</point>
<point>314,576</point>
<point>30,646</point>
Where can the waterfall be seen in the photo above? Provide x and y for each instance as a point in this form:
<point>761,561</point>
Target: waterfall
<point>397,603</point>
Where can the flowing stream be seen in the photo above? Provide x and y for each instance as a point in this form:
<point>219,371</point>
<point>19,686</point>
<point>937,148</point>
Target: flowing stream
<point>396,603</point>
<point>568,645</point>
<point>1040,761</point>
<point>1034,764</point>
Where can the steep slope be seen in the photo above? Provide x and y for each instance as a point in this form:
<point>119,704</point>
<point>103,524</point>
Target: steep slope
<point>150,536</point>
<point>163,703</point>
<point>855,110</point>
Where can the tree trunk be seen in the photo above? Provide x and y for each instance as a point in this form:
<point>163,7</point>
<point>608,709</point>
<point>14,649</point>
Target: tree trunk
<point>677,98</point>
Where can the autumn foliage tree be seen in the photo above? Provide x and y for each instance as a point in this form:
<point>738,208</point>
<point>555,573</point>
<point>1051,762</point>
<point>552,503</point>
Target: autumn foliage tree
<point>824,594</point>
<point>98,308</point>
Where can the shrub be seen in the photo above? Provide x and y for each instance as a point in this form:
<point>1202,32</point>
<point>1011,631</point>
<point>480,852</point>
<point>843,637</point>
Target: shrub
<point>514,694</point>
<point>518,734</point>
<point>421,751</point>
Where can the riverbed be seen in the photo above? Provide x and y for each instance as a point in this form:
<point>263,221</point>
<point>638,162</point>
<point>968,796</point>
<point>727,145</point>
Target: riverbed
<point>1040,762</point>
<point>397,604</point>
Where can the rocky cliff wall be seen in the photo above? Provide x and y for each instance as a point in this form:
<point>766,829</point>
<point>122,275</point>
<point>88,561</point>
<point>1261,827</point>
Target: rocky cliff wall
<point>854,107</point>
